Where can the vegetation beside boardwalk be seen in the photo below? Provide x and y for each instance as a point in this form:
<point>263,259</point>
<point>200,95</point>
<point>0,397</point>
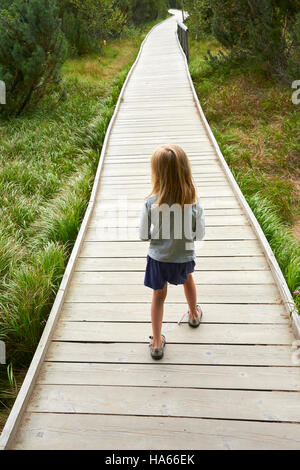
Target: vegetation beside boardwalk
<point>257,128</point>
<point>38,35</point>
<point>48,160</point>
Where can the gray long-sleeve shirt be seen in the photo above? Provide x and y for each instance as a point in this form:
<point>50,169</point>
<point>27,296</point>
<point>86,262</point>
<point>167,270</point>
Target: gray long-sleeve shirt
<point>171,230</point>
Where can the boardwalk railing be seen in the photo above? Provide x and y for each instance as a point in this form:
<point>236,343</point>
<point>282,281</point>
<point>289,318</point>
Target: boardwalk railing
<point>183,36</point>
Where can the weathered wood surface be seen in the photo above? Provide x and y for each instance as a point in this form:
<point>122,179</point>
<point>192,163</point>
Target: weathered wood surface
<point>230,384</point>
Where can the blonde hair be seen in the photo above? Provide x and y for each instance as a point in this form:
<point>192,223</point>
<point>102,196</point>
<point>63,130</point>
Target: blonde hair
<point>171,176</point>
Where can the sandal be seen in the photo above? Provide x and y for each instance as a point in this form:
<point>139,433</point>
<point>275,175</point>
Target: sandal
<point>193,322</point>
<point>157,353</point>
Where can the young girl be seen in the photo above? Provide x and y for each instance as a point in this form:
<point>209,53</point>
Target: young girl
<point>170,211</point>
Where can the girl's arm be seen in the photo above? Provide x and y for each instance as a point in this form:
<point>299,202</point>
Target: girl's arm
<point>145,223</point>
<point>200,221</point>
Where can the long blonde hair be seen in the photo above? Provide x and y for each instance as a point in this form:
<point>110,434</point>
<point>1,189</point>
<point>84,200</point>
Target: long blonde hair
<point>171,176</point>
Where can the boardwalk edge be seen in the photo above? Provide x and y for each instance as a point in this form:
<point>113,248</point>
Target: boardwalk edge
<point>23,396</point>
<point>287,298</point>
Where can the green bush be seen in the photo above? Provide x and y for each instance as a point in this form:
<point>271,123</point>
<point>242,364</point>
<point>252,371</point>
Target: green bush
<point>148,10</point>
<point>266,30</point>
<point>87,23</point>
<point>200,17</point>
<point>31,52</point>
<point>293,63</point>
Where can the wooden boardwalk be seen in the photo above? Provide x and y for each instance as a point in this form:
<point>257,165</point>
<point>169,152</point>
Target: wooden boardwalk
<point>230,384</point>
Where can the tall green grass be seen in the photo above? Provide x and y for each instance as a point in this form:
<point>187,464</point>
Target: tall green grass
<point>278,233</point>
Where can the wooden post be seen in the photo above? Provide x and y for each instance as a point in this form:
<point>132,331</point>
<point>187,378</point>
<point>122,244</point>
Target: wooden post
<point>182,33</point>
<point>187,44</point>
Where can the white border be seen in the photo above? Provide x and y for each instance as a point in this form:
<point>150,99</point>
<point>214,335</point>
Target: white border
<point>274,266</point>
<point>21,401</point>
<point>16,413</point>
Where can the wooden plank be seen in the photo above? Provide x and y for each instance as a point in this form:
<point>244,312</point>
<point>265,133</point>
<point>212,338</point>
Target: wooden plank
<point>156,141</point>
<point>200,277</point>
<point>174,126</point>
<point>169,81</point>
<point>154,401</point>
<point>197,157</point>
<point>138,249</point>
<point>202,263</point>
<point>208,203</point>
<point>229,293</point>
<point>138,353</point>
<point>158,120</point>
<point>170,95</point>
<point>155,125</point>
<point>200,144</point>
<point>146,105</point>
<point>207,334</point>
<point>162,375</point>
<point>108,432</point>
<point>136,159</point>
<point>131,234</point>
<point>210,221</point>
<point>226,232</point>
<point>205,180</point>
<point>189,122</point>
<point>167,133</point>
<point>159,88</point>
<point>134,206</point>
<point>149,148</point>
<point>189,112</point>
<point>214,313</point>
<point>145,181</point>
<point>139,194</point>
<point>210,214</point>
<point>154,137</point>
<point>203,191</point>
<point>140,170</point>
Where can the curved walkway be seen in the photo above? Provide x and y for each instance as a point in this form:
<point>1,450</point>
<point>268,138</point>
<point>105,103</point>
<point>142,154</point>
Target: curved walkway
<point>230,384</point>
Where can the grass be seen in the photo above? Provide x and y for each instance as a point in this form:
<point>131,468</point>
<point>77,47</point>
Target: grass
<point>257,128</point>
<point>48,160</point>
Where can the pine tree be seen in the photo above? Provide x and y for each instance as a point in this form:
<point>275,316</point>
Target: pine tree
<point>265,30</point>
<point>32,49</point>
<point>200,17</point>
<point>148,10</point>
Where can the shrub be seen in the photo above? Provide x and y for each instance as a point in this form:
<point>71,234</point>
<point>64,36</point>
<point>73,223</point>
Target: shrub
<point>147,10</point>
<point>200,17</point>
<point>32,50</point>
<point>266,30</point>
<point>293,68</point>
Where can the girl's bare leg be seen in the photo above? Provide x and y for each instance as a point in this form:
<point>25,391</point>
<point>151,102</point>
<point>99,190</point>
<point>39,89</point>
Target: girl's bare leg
<point>191,295</point>
<point>157,311</point>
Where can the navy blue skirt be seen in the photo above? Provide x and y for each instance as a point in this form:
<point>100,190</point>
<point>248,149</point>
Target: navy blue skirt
<point>159,272</point>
